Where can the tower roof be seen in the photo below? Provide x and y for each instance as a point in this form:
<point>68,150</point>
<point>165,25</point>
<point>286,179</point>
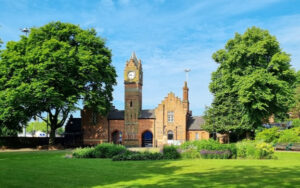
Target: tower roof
<point>134,58</point>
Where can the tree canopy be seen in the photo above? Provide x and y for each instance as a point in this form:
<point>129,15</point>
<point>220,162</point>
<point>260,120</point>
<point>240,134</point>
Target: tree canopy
<point>253,81</point>
<point>295,110</point>
<point>50,71</point>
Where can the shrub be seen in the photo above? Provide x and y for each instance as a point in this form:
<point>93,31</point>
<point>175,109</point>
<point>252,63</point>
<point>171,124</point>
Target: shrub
<point>107,150</point>
<point>192,149</point>
<point>254,150</point>
<point>268,135</point>
<point>215,154</point>
<point>84,152</point>
<point>191,153</point>
<point>131,155</point>
<point>290,136</point>
<point>296,122</point>
<point>170,152</point>
<point>264,151</point>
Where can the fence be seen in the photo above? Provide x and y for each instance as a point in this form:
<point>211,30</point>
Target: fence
<point>33,142</point>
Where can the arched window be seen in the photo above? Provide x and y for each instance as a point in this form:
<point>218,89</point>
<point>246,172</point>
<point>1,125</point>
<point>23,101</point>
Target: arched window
<point>170,135</point>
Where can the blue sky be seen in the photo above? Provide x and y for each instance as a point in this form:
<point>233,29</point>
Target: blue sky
<point>167,35</point>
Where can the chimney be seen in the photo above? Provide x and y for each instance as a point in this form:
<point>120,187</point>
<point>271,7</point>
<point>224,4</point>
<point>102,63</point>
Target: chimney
<point>185,100</point>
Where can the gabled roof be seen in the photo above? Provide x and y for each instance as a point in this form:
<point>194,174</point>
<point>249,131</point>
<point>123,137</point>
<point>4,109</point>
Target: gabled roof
<point>147,114</point>
<point>195,123</point>
<point>119,114</point>
<point>116,114</point>
<point>73,125</point>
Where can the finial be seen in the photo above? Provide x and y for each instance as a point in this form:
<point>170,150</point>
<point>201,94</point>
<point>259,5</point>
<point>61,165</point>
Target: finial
<point>187,74</point>
<point>133,56</point>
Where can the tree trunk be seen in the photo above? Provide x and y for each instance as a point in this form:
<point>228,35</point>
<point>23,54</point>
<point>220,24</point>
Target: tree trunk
<point>52,137</point>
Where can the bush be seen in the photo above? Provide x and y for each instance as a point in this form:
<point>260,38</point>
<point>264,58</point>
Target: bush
<point>296,122</point>
<point>268,135</point>
<point>290,136</point>
<point>191,153</point>
<point>170,152</point>
<point>192,149</point>
<point>131,155</point>
<point>84,152</point>
<point>264,151</point>
<point>215,154</point>
<point>254,150</point>
<point>107,150</point>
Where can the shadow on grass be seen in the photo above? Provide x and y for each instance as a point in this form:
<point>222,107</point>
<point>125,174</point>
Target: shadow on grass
<point>50,169</point>
<point>237,176</point>
<point>164,174</point>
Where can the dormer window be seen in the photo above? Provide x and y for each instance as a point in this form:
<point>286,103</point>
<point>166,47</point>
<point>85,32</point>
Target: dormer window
<point>170,116</point>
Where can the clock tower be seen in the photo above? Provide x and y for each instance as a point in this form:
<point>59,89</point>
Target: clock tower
<point>133,81</point>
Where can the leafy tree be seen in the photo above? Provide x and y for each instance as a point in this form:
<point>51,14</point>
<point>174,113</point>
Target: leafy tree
<point>295,111</point>
<point>50,71</point>
<point>34,126</point>
<point>253,81</point>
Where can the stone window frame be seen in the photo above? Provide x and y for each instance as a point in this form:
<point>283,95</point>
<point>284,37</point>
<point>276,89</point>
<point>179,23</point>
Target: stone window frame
<point>170,116</point>
<point>170,135</point>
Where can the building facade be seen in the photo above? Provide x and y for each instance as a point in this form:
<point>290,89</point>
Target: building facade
<point>170,122</point>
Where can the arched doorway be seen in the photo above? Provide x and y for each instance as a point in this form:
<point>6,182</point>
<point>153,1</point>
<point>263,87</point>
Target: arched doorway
<point>147,139</point>
<point>116,137</point>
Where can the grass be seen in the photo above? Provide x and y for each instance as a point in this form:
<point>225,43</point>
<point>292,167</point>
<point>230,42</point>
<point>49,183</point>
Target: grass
<point>50,169</point>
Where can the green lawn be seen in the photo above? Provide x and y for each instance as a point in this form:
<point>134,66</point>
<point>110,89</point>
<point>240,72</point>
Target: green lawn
<point>50,169</point>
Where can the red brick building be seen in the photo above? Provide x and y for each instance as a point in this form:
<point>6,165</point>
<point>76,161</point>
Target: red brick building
<point>169,123</point>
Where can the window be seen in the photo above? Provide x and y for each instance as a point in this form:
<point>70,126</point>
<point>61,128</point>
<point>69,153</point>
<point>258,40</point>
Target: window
<point>197,136</point>
<point>170,135</point>
<point>94,118</point>
<point>130,104</point>
<point>170,116</point>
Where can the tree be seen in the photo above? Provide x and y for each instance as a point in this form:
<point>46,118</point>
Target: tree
<point>47,73</point>
<point>295,111</point>
<point>254,80</point>
<point>34,126</point>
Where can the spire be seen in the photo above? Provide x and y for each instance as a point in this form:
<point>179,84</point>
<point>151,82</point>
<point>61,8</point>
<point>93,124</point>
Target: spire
<point>134,58</point>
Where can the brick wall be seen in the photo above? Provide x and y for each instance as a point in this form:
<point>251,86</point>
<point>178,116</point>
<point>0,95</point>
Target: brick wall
<point>171,103</point>
<point>145,125</point>
<point>94,132</point>
<point>191,135</point>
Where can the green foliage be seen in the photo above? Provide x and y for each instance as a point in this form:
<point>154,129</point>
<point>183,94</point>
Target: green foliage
<point>296,122</point>
<point>190,153</point>
<point>88,152</point>
<point>253,81</point>
<point>274,135</point>
<point>36,126</point>
<point>170,152</point>
<point>254,150</point>
<point>49,71</point>
<point>270,135</point>
<point>107,150</point>
<point>215,154</point>
<point>137,156</point>
<point>104,150</point>
<point>4,131</point>
<point>290,136</point>
<point>207,149</point>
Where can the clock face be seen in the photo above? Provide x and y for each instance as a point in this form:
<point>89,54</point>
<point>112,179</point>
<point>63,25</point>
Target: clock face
<point>131,75</point>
